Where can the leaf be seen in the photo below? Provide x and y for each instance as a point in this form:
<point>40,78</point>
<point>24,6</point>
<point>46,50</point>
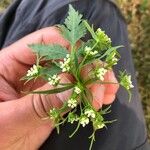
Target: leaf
<point>106,110</point>
<point>52,70</point>
<point>73,28</point>
<point>90,29</point>
<point>101,56</point>
<point>89,43</point>
<point>49,51</point>
<point>54,91</point>
<point>111,49</point>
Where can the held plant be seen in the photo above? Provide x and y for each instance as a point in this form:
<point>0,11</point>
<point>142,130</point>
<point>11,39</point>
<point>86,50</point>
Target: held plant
<point>58,59</point>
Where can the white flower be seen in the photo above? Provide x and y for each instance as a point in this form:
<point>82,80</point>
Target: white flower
<point>101,34</point>
<point>84,121</point>
<point>72,103</point>
<point>128,79</point>
<point>72,117</point>
<point>100,126</point>
<point>114,60</point>
<point>65,65</point>
<point>100,73</point>
<point>53,113</point>
<point>89,113</point>
<point>129,82</point>
<point>54,80</point>
<point>32,71</point>
<point>126,82</point>
<point>77,90</point>
<point>111,58</point>
<point>88,51</point>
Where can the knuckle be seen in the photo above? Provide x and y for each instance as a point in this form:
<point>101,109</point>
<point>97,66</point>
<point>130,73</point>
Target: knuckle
<point>40,106</point>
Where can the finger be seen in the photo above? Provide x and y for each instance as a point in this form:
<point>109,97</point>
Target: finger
<point>22,53</point>
<point>102,93</point>
<point>27,112</point>
<point>97,91</point>
<point>110,89</point>
<point>7,92</point>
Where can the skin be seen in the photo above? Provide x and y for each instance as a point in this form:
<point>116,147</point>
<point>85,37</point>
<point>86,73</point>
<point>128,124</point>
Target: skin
<point>21,123</point>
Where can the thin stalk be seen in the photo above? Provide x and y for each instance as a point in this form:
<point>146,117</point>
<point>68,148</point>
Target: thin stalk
<point>92,137</point>
<point>75,130</point>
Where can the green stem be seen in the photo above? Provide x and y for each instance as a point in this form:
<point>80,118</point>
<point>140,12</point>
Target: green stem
<point>74,70</point>
<point>81,64</point>
<point>58,129</point>
<point>58,124</point>
<point>94,45</point>
<point>108,122</point>
<point>80,104</point>
<point>92,137</point>
<point>89,81</point>
<point>86,99</point>
<point>75,130</point>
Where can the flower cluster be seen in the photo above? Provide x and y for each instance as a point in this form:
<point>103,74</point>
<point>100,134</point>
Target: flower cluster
<point>72,117</point>
<point>88,51</point>
<point>126,81</point>
<point>72,103</point>
<point>98,125</point>
<point>89,113</point>
<point>112,59</point>
<point>53,113</point>
<point>100,73</point>
<point>54,80</point>
<point>65,65</point>
<point>84,120</point>
<point>80,57</point>
<point>103,40</point>
<point>33,71</point>
<point>77,90</point>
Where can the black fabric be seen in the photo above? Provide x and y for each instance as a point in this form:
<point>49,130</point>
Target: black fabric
<point>129,132</point>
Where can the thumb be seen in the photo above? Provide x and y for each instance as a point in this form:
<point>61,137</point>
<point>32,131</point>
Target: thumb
<point>23,114</point>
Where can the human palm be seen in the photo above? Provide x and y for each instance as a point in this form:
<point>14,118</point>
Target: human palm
<point>21,123</point>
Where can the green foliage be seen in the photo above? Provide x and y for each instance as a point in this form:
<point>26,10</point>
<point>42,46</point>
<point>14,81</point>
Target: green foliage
<point>141,52</point>
<point>73,28</point>
<point>54,91</point>
<point>96,49</point>
<point>50,71</point>
<point>47,52</point>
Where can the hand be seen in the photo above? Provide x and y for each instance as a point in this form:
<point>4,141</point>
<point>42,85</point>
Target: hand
<point>21,124</point>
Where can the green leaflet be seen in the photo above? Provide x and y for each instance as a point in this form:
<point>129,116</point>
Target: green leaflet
<point>73,28</point>
<point>90,29</point>
<point>99,47</point>
<point>111,49</point>
<point>52,70</point>
<point>49,51</point>
<point>54,91</point>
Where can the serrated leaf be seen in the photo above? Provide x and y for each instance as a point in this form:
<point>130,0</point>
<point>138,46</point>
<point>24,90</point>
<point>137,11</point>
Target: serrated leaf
<point>50,71</point>
<point>73,28</point>
<point>49,51</point>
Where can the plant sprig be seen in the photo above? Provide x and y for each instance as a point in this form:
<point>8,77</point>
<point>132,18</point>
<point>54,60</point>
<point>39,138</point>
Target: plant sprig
<point>58,59</point>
